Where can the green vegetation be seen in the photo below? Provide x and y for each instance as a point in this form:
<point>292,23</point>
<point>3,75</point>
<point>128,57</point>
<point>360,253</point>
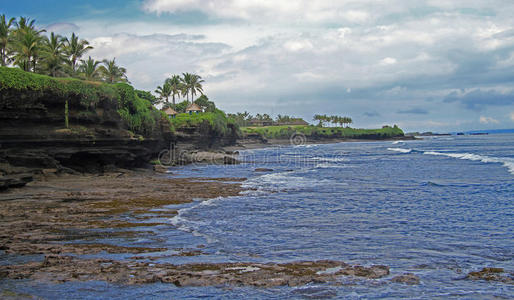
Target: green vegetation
<point>332,119</point>
<point>285,132</point>
<point>139,114</point>
<point>180,86</point>
<point>217,120</point>
<point>24,45</point>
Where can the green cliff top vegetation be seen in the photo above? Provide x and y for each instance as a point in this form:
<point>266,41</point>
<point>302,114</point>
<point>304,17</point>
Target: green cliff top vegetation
<point>285,132</point>
<point>139,114</point>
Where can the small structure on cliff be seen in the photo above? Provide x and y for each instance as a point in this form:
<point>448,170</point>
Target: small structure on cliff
<point>193,109</point>
<point>170,112</point>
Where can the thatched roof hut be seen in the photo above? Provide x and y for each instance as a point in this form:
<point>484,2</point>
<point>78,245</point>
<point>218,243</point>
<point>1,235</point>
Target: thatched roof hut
<point>193,108</point>
<point>170,112</point>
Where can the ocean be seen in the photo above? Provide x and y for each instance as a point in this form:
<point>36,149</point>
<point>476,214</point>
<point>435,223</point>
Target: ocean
<point>438,208</point>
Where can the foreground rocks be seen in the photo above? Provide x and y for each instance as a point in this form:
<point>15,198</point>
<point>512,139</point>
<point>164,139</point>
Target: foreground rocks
<point>44,216</point>
<point>492,274</point>
<point>66,268</point>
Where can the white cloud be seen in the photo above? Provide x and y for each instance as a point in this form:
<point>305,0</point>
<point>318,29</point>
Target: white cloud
<point>512,116</point>
<point>488,120</point>
<point>388,61</point>
<point>296,54</point>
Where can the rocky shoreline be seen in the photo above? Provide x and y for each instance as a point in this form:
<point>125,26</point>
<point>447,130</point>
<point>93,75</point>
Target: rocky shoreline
<point>43,217</point>
<point>62,217</point>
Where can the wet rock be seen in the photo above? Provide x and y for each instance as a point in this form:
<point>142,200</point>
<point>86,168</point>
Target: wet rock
<point>407,278</point>
<point>160,169</point>
<point>213,158</point>
<point>15,180</point>
<point>492,274</point>
<point>68,268</point>
<point>263,170</point>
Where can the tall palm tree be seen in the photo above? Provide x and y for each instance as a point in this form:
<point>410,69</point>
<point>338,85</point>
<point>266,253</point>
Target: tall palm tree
<point>27,47</point>
<point>27,44</point>
<point>53,55</point>
<point>112,72</point>
<point>25,24</point>
<point>187,78</point>
<point>75,48</point>
<point>192,84</point>
<point>196,86</point>
<point>176,87</point>
<point>164,92</point>
<point>89,69</point>
<point>5,38</point>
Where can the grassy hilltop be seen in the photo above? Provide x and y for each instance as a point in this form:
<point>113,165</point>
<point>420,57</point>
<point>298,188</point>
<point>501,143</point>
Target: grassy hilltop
<point>311,131</point>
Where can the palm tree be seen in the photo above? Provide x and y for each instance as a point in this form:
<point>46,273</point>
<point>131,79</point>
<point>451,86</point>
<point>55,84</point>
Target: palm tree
<point>5,39</point>
<point>53,55</point>
<point>192,84</point>
<point>26,24</point>
<point>196,86</point>
<point>175,85</point>
<point>27,47</point>
<point>89,69</point>
<point>27,44</point>
<point>113,73</point>
<point>75,48</point>
<point>164,92</point>
<point>187,78</point>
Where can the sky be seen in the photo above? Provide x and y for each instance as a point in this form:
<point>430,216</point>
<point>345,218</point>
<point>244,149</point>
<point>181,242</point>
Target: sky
<point>425,65</point>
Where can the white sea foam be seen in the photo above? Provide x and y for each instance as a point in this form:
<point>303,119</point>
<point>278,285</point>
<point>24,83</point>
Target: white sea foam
<point>330,159</point>
<point>397,142</point>
<point>186,225</point>
<point>283,181</point>
<point>506,161</point>
<point>401,150</point>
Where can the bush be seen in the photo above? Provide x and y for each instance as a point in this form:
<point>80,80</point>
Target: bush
<point>218,122</point>
<point>285,132</point>
<point>139,114</point>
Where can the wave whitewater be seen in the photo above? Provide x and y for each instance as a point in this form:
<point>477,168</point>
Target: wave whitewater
<point>505,161</point>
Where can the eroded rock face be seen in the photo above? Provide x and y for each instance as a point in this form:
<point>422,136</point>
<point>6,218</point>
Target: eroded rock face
<point>57,268</point>
<point>492,274</point>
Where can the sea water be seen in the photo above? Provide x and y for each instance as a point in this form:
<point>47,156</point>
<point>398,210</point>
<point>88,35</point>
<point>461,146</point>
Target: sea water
<point>438,207</point>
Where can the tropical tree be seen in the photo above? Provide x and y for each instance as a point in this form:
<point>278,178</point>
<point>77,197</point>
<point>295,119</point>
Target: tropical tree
<point>27,44</point>
<point>176,87</point>
<point>27,48</point>
<point>89,69</point>
<point>53,56</point>
<point>320,120</point>
<point>5,39</point>
<point>75,49</point>
<point>205,104</point>
<point>192,85</point>
<point>113,73</point>
<point>146,95</point>
<point>165,92</point>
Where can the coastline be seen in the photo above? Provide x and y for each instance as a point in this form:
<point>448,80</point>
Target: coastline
<point>60,221</point>
<point>270,143</point>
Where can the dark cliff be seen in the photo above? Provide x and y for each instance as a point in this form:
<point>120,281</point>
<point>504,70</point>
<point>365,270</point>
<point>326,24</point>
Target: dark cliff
<point>108,127</point>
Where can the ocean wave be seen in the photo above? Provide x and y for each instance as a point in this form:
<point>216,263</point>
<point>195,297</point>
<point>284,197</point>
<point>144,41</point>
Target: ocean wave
<point>329,159</point>
<point>401,150</point>
<point>283,181</point>
<point>329,165</point>
<point>505,161</point>
<point>184,224</point>
<point>398,142</point>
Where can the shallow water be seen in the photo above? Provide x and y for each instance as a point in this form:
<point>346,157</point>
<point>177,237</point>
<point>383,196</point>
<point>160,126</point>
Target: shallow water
<point>438,208</point>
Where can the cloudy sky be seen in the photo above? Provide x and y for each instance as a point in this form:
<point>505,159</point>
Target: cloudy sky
<point>434,65</point>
